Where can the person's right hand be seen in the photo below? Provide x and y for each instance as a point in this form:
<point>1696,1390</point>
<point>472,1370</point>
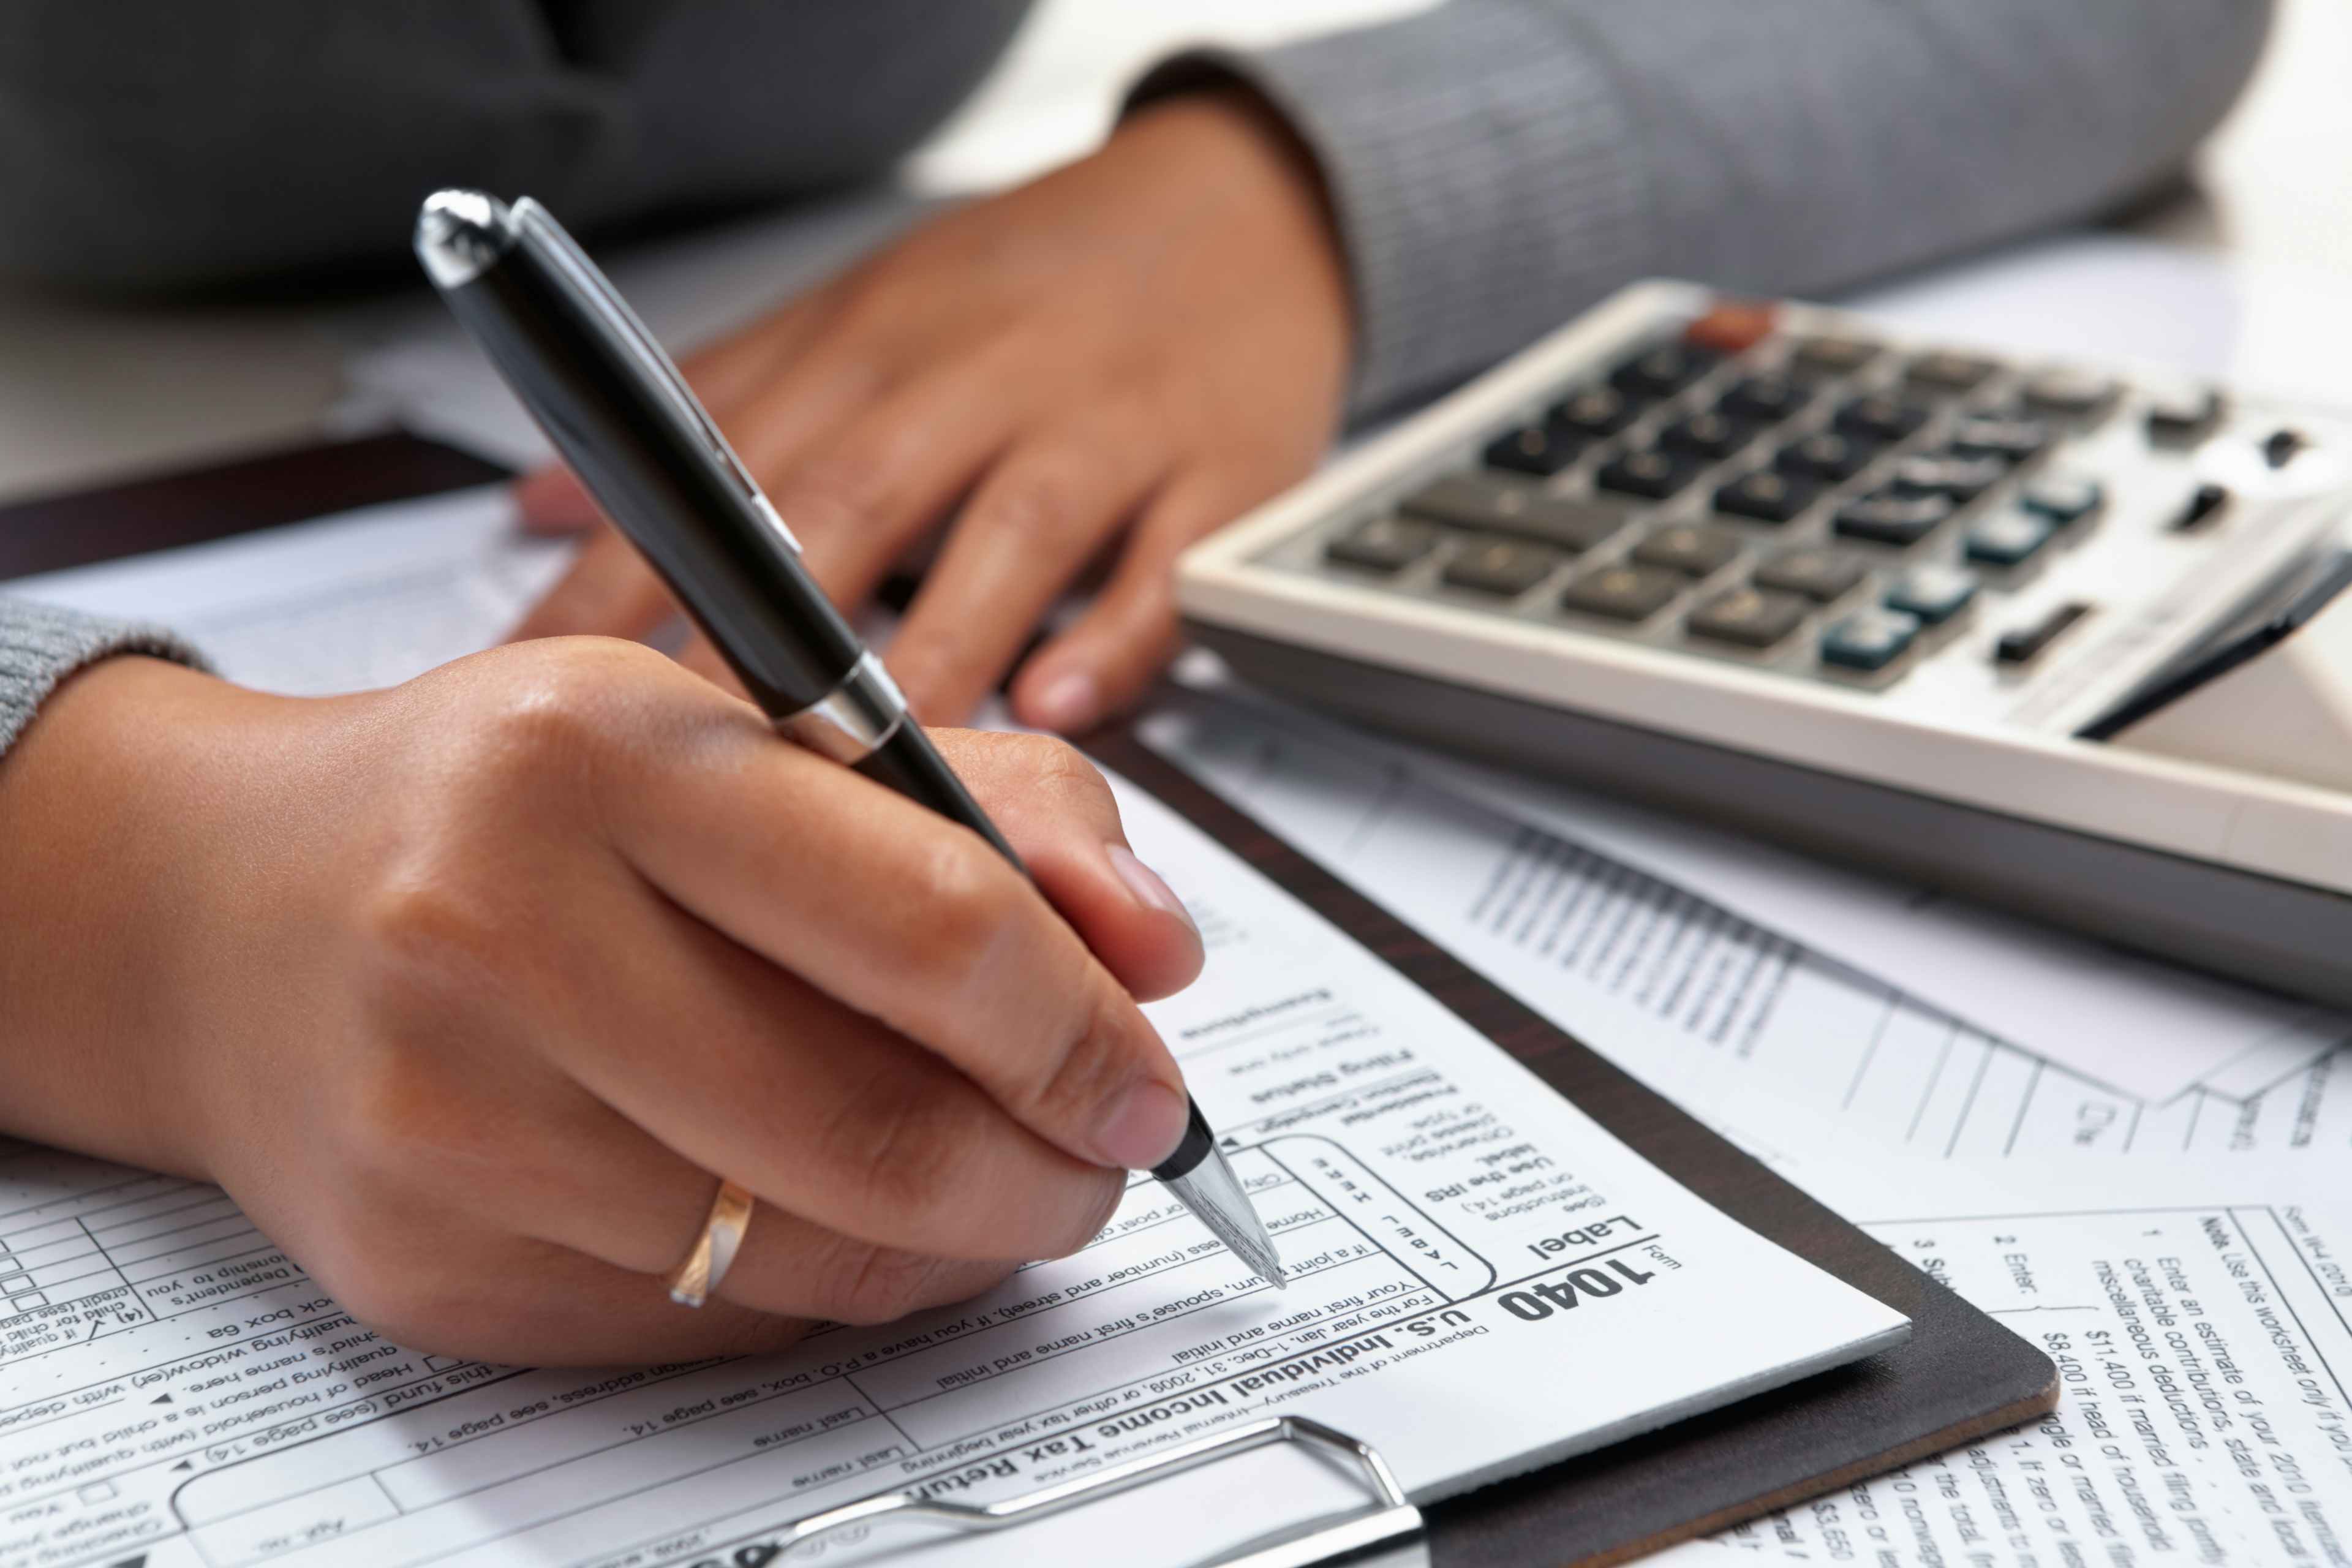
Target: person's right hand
<point>468,990</point>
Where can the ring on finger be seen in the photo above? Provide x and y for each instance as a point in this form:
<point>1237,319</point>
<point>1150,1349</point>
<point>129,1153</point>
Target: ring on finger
<point>713,1252</point>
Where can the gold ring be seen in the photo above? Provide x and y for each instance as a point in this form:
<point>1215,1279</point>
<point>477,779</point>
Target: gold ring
<point>692,1281</point>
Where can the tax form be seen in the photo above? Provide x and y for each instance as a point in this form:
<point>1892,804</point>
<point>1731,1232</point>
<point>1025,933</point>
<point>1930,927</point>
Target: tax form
<point>1482,1281</point>
<point>2201,1323</point>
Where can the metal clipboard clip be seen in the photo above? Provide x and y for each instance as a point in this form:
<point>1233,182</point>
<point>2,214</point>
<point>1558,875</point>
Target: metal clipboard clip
<point>1388,1533</point>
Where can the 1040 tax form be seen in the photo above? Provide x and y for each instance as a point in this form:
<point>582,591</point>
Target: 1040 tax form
<point>1484,1280</point>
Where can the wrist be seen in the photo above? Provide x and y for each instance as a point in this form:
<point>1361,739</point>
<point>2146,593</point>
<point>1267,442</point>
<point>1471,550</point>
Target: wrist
<point>99,810</point>
<point>1221,123</point>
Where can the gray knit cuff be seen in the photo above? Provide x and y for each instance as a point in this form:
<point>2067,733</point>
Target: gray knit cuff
<point>41,645</point>
<point>1479,163</point>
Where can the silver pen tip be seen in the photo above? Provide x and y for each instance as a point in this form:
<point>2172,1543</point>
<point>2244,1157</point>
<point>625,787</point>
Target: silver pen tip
<point>1215,1195</point>
<point>459,233</point>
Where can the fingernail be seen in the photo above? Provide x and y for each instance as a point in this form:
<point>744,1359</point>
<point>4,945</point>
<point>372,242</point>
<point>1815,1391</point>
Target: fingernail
<point>1144,1127</point>
<point>1069,702</point>
<point>1145,884</point>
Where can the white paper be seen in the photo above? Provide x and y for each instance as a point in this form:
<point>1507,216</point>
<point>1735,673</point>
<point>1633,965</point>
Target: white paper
<point>363,599</point>
<point>1482,1279</point>
<point>2199,1321</point>
<point>1723,1015</point>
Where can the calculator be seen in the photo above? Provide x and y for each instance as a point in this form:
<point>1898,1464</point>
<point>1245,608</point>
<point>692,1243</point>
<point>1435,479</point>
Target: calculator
<point>1878,598</point>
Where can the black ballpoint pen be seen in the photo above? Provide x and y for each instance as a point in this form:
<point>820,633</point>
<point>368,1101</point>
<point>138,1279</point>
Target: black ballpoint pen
<point>616,406</point>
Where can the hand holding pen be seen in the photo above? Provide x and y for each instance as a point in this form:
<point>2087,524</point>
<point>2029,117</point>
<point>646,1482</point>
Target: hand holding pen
<point>612,402</point>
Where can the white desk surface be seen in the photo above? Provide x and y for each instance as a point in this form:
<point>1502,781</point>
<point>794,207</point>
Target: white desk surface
<point>90,392</point>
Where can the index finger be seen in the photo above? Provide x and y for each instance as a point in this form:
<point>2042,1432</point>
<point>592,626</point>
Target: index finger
<point>911,920</point>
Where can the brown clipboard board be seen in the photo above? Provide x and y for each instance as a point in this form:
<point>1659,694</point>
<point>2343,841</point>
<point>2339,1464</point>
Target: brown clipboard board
<point>1959,1376</point>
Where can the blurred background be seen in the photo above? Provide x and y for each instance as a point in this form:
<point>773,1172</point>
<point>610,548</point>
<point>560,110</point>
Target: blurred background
<point>2246,271</point>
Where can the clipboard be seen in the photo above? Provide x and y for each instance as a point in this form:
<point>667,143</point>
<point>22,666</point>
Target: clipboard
<point>1959,1376</point>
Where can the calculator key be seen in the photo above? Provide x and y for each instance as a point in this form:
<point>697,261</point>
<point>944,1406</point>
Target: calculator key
<point>1495,504</point>
<point>1733,326</point>
<point>1623,592</point>
<point>1383,543</point>
<point>1819,575</point>
<point>1868,639</point>
<point>2012,440</point>
<point>1888,517</point>
<point>1596,411</point>
<point>1708,434</point>
<point>1882,417</point>
<point>1946,375</point>
<point>1508,567</point>
<point>2008,537</point>
<point>2205,504</point>
<point>2063,498</point>
<point>2064,393</point>
<point>1541,451</point>
<point>1832,356</point>
<point>1752,618</point>
<point>2282,446</point>
<point>1932,594</point>
<point>1952,474</point>
<point>1826,455</point>
<point>1764,399</point>
<point>1662,372</point>
<point>2022,645</point>
<point>2183,419</point>
<point>1693,548</point>
<point>1767,496</point>
<point>1653,475</point>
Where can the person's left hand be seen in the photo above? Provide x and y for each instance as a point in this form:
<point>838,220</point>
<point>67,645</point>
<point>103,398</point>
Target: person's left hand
<point>1134,348</point>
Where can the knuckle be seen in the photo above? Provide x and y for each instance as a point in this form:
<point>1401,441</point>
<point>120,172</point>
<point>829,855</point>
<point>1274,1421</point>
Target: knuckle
<point>392,1283</point>
<point>1043,500</point>
<point>964,896</point>
<point>904,1151</point>
<point>1093,1058</point>
<point>534,716</point>
<point>877,1284</point>
<point>1061,773</point>
<point>843,485</point>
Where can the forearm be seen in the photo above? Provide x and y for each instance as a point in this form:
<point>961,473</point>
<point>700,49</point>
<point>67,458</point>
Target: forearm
<point>1497,166</point>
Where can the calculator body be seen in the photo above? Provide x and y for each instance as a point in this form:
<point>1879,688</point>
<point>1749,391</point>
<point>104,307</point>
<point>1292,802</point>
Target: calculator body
<point>1776,566</point>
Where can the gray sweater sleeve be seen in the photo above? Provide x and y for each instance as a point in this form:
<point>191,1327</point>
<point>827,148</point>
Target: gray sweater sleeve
<point>41,645</point>
<point>1497,166</point>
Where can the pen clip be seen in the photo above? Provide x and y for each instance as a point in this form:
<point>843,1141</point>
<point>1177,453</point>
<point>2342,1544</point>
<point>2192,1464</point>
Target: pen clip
<point>533,221</point>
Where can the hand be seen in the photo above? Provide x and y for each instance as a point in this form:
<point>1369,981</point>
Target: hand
<point>1131,351</point>
<point>469,989</point>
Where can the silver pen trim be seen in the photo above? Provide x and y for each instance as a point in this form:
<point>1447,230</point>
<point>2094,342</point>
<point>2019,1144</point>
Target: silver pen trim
<point>853,721</point>
<point>1217,1199</point>
<point>459,234</point>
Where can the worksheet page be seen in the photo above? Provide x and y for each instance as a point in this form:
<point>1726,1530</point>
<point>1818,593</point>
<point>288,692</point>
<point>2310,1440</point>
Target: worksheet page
<point>1482,1279</point>
<point>1724,1015</point>
<point>2201,1319</point>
